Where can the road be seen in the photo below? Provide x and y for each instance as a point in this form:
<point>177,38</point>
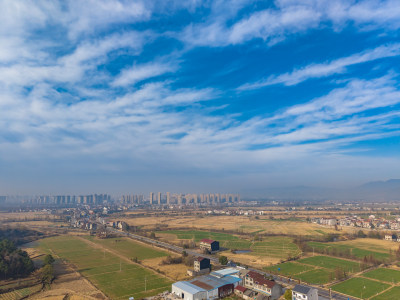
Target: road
<point>323,293</point>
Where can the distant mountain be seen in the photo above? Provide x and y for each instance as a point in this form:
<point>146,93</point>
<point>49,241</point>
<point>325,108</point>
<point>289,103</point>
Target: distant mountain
<point>376,191</point>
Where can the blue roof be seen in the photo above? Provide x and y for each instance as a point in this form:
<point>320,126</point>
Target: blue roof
<point>224,272</point>
<point>188,287</point>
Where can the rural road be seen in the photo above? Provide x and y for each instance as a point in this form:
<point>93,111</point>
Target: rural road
<point>323,293</point>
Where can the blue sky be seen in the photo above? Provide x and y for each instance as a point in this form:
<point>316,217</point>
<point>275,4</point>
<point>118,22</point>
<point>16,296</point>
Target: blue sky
<point>195,96</point>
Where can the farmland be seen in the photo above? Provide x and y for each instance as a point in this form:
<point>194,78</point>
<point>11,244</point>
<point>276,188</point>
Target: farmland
<point>116,277</point>
<point>360,287</point>
<point>240,224</point>
<point>391,294</point>
<point>316,269</point>
<point>268,249</point>
<point>128,247</point>
<point>356,249</point>
<point>384,274</point>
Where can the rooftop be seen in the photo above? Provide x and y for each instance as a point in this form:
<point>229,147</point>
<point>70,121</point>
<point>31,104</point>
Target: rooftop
<point>302,289</point>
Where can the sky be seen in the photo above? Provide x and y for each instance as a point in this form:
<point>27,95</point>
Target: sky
<point>197,96</point>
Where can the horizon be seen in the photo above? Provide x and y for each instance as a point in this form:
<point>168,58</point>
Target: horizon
<point>119,96</point>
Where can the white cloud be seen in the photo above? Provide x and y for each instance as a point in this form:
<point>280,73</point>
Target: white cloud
<point>325,69</point>
<point>291,17</point>
<point>141,72</point>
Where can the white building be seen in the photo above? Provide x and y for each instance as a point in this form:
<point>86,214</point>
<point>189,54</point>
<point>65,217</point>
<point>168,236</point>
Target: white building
<point>301,292</point>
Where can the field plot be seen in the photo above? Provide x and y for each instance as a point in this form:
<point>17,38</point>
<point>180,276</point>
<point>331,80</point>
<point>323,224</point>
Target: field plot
<point>244,224</point>
<point>289,268</point>
<point>384,274</point>
<point>128,247</point>
<point>316,276</point>
<point>357,250</point>
<point>115,277</point>
<point>21,293</point>
<point>331,263</point>
<point>315,270</point>
<point>392,294</point>
<point>360,287</point>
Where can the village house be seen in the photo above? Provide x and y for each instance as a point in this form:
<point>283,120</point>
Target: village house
<point>257,282</point>
<point>301,292</point>
<point>209,245</point>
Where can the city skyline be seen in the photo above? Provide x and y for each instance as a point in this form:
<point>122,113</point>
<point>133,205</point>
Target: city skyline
<point>117,96</point>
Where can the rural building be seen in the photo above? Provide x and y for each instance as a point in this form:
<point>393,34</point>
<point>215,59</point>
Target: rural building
<point>212,286</point>
<point>209,245</point>
<point>301,292</point>
<point>201,263</point>
<point>258,283</point>
<point>239,290</point>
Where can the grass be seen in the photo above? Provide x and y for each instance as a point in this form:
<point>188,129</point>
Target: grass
<point>289,268</point>
<point>360,287</point>
<point>316,276</point>
<point>392,294</point>
<point>128,247</point>
<point>116,278</point>
<point>383,274</point>
<point>331,263</point>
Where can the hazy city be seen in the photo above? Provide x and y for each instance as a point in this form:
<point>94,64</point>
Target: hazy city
<point>200,150</point>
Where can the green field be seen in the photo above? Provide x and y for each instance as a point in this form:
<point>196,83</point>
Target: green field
<point>360,287</point>
<point>275,246</point>
<point>315,270</point>
<point>116,278</point>
<point>392,294</point>
<point>316,276</point>
<point>289,268</point>
<point>128,247</point>
<point>383,274</point>
<point>355,251</point>
<point>331,263</point>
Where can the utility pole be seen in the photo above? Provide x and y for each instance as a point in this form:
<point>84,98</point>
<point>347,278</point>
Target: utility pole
<point>120,265</point>
<point>145,283</point>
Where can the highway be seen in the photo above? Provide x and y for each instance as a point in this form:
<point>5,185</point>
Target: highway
<point>323,293</point>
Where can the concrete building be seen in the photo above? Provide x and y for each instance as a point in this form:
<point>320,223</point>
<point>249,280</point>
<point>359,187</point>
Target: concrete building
<point>209,245</point>
<point>168,198</point>
<point>159,198</point>
<point>202,263</point>
<point>301,292</point>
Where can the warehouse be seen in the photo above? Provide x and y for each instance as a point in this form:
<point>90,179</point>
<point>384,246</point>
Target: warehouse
<point>210,286</point>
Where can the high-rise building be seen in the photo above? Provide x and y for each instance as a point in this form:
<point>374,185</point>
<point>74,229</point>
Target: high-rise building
<point>151,197</point>
<point>168,198</point>
<point>159,198</point>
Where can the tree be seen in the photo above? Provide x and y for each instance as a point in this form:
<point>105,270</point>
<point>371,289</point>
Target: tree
<point>152,235</point>
<point>47,274</point>
<point>48,259</point>
<point>288,294</point>
<point>223,260</point>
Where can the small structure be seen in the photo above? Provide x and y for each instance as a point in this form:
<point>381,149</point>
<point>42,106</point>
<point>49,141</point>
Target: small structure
<point>209,245</point>
<point>302,292</point>
<point>202,265</point>
<point>240,290</point>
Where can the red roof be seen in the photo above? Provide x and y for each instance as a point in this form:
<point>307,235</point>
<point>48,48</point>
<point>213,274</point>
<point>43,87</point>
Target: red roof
<point>259,279</point>
<point>208,241</point>
<point>200,258</point>
<point>240,288</point>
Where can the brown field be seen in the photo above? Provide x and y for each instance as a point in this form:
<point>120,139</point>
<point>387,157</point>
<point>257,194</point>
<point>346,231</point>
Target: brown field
<point>231,223</point>
<point>22,215</point>
<point>176,272</point>
<point>372,244</point>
